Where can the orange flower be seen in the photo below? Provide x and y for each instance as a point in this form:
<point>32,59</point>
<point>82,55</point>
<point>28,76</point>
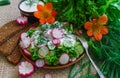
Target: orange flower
<point>45,14</point>
<point>96,27</point>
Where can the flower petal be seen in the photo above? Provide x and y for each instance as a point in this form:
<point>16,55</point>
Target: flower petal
<point>98,36</point>
<point>51,20</point>
<point>38,14</point>
<point>104,30</point>
<point>94,20</point>
<point>88,25</point>
<point>48,6</point>
<point>54,13</point>
<point>40,7</point>
<point>103,19</point>
<point>42,21</point>
<point>89,33</point>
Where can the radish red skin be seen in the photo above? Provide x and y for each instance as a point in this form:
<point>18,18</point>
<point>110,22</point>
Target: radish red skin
<point>27,74</point>
<point>22,20</point>
<point>59,30</point>
<point>21,38</point>
<point>67,57</point>
<point>26,53</point>
<point>56,43</point>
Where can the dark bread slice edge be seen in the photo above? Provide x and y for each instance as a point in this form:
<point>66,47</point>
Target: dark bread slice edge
<point>8,47</point>
<point>15,57</point>
<point>4,31</point>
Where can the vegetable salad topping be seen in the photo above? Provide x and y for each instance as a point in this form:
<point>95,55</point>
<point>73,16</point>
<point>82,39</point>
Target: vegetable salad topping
<point>51,43</point>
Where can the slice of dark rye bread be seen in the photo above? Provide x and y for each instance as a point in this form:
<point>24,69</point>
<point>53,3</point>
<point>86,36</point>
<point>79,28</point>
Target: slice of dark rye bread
<point>8,30</point>
<point>15,56</point>
<point>8,47</point>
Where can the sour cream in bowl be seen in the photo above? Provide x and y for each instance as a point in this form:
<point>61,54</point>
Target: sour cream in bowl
<point>28,7</point>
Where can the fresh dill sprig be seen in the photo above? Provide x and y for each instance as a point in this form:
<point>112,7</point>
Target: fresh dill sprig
<point>31,2</point>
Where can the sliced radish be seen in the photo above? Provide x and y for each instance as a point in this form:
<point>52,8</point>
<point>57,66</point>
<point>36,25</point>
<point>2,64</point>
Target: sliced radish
<point>40,63</point>
<point>22,20</point>
<point>26,53</point>
<point>64,59</point>
<point>25,69</point>
<point>25,43</point>
<point>23,36</point>
<point>56,42</point>
<point>57,33</point>
<point>47,75</point>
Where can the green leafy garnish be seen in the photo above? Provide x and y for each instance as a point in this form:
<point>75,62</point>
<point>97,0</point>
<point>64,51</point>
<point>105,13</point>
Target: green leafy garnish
<point>51,59</point>
<point>31,2</point>
<point>73,51</point>
<point>78,49</point>
<point>41,40</point>
<point>30,32</point>
<point>34,53</point>
<point>74,72</point>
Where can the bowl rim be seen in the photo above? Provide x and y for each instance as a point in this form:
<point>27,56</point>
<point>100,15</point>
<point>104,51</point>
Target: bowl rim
<point>54,67</point>
<point>22,10</point>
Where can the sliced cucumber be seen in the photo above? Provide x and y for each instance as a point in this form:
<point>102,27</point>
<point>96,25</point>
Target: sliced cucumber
<point>43,51</point>
<point>68,42</point>
<point>51,46</point>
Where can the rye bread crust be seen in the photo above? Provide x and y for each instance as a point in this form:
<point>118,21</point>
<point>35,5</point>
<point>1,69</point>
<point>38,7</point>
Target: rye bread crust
<point>15,57</point>
<point>8,30</point>
<point>8,47</point>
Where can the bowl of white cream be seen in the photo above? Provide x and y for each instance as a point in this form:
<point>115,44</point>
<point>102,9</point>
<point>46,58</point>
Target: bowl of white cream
<point>28,7</point>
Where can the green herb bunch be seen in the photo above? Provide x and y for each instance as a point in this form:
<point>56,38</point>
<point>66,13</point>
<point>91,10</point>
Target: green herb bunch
<point>107,51</point>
